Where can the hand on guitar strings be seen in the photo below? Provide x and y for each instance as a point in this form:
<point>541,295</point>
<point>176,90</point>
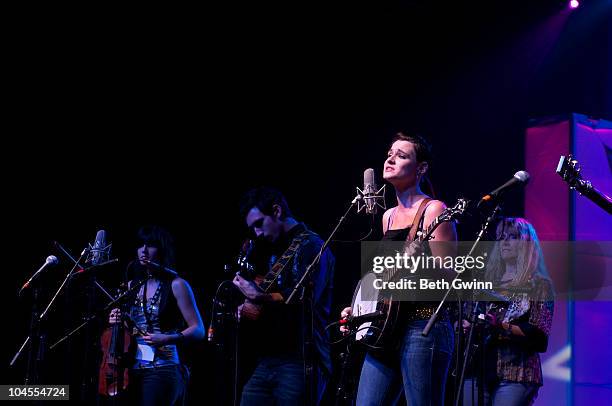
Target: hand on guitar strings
<point>345,314</point>
<point>347,332</point>
<point>248,288</point>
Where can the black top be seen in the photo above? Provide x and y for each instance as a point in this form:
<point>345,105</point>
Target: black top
<point>413,310</point>
<point>400,234</point>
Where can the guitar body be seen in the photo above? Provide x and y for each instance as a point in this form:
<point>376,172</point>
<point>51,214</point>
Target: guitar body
<point>508,308</point>
<point>515,307</point>
<point>249,310</point>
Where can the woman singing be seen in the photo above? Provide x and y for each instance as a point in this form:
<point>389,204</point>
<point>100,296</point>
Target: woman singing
<point>418,365</point>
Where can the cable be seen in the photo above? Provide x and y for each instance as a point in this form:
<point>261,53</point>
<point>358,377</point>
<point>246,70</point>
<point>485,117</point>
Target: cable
<point>362,238</point>
<point>354,333</point>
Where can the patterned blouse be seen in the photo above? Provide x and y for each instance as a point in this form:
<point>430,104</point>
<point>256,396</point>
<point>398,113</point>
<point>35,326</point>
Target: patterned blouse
<point>518,358</point>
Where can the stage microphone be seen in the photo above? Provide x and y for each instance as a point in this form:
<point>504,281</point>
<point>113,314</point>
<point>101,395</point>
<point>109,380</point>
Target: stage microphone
<point>51,260</point>
<point>521,177</point>
<point>163,268</point>
<point>369,196</point>
<point>98,253</point>
<point>369,191</point>
<point>364,318</point>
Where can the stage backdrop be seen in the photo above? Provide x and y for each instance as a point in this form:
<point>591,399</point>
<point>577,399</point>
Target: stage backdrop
<point>577,364</point>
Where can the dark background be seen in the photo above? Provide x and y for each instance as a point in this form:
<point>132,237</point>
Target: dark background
<point>124,120</point>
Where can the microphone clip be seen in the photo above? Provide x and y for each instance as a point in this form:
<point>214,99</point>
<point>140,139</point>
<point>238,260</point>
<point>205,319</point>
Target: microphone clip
<point>97,255</point>
<point>370,200</point>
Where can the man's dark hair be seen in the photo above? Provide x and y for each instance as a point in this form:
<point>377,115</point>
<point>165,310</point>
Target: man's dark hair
<point>264,198</point>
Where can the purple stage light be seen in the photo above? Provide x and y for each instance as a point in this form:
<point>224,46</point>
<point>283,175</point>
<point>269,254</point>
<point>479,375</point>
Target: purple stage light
<point>574,4</point>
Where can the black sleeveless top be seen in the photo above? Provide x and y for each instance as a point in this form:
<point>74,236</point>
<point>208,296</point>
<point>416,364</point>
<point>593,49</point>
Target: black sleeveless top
<point>413,310</point>
<point>400,234</point>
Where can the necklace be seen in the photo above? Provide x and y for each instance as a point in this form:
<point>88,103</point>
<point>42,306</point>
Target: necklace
<point>149,307</point>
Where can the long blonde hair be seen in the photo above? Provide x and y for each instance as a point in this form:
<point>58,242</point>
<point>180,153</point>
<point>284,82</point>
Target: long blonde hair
<point>529,262</point>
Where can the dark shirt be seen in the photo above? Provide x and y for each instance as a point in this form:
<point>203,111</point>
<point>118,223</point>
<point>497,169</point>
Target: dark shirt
<point>282,328</point>
<point>400,234</point>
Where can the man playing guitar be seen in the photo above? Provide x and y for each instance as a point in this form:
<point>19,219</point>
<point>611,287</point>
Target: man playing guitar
<point>293,351</point>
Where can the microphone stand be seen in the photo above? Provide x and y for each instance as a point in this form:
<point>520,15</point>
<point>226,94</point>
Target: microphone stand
<point>74,261</point>
<point>35,350</point>
<point>436,313</point>
<point>316,260</point>
<point>484,228</point>
<point>475,307</point>
<point>31,376</point>
<point>38,319</point>
<point>106,308</point>
<point>345,390</point>
<point>87,381</point>
<point>68,276</point>
<point>467,355</point>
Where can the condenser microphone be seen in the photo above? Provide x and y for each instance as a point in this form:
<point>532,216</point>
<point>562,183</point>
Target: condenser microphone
<point>370,196</point>
<point>369,191</point>
<point>99,252</point>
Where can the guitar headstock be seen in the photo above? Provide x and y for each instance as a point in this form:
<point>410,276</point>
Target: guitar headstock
<point>569,170</point>
<point>452,213</point>
<point>242,264</point>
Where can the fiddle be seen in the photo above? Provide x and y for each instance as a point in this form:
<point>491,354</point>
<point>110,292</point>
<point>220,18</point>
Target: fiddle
<point>116,345</point>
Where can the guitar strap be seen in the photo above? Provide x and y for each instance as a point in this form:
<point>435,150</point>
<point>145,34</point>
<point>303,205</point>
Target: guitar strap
<point>282,262</point>
<point>307,315</point>
<point>418,219</point>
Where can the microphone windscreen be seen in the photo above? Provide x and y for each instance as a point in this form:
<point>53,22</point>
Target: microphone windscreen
<point>369,183</point>
<point>523,176</point>
<point>100,241</point>
<point>98,247</point>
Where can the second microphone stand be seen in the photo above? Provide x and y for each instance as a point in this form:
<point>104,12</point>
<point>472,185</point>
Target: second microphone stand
<point>37,348</point>
<point>360,197</point>
<point>475,307</point>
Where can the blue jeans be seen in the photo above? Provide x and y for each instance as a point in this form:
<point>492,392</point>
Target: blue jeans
<point>504,393</point>
<point>275,381</point>
<point>163,385</point>
<point>420,366</point>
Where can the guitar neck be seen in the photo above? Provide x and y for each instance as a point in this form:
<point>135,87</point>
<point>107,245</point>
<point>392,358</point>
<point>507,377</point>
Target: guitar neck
<point>267,282</point>
<point>425,234</point>
<point>586,189</point>
<point>569,170</point>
